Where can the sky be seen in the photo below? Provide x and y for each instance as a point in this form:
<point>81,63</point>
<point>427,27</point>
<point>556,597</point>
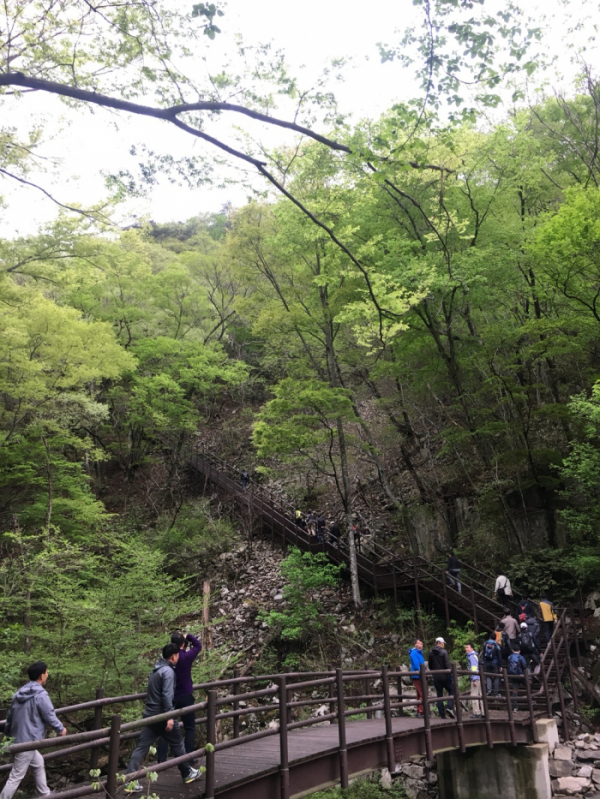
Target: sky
<point>81,144</point>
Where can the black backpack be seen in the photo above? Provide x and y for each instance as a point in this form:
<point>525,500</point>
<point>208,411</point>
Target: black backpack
<point>526,642</point>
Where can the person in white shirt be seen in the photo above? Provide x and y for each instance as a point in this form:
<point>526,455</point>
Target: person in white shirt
<point>502,588</point>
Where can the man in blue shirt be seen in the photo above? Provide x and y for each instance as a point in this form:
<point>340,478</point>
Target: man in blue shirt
<point>416,659</point>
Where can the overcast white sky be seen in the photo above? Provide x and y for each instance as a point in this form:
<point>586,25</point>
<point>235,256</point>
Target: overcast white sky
<point>311,33</point>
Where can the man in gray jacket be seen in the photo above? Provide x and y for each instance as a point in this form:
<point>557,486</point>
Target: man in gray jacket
<point>159,699</point>
<point>31,711</point>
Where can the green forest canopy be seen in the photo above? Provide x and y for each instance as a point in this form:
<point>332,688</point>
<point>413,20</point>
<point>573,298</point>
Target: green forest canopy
<point>428,323</point>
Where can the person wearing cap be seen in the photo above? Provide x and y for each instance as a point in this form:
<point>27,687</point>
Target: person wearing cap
<point>439,661</point>
<point>528,647</point>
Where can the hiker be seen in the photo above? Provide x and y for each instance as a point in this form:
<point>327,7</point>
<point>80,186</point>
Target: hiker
<point>528,647</point>
<point>491,657</point>
<point>320,528</point>
<point>310,522</point>
<point>502,640</point>
<point>416,659</point>
<point>548,616</point>
<point>334,534</point>
<point>502,588</point>
<point>245,480</point>
<point>525,606</point>
<point>533,626</point>
<point>473,666</point>
<point>517,666</point>
<point>299,519</point>
<point>453,571</point>
<point>31,711</point>
<point>183,695</point>
<point>438,660</point>
<point>159,699</point>
<point>511,627</point>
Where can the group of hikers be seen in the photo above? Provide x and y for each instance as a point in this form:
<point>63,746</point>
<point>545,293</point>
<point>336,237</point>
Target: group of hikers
<point>169,688</point>
<point>515,644</point>
<point>325,531</point>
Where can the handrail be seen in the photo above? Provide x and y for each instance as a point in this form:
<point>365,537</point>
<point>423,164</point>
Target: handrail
<point>332,684</point>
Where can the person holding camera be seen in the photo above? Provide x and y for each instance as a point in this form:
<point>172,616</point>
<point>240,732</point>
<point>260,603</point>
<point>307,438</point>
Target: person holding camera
<point>189,649</point>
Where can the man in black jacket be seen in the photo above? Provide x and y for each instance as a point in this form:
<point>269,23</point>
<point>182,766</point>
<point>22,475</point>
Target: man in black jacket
<point>438,660</point>
<point>159,699</point>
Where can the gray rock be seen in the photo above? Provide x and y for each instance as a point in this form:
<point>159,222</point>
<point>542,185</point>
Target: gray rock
<point>571,785</point>
<point>585,771</point>
<point>560,768</point>
<point>596,775</point>
<point>386,779</point>
<point>563,753</point>
<point>413,771</point>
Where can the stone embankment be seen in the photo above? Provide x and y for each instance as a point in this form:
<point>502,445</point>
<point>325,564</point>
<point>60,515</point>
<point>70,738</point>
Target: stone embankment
<point>575,767</point>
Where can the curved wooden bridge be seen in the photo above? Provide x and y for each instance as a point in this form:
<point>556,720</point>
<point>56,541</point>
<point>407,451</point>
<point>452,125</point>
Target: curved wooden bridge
<point>362,723</point>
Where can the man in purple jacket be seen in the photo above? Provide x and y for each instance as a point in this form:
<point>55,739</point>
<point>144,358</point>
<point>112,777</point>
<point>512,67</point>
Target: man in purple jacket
<point>189,649</point>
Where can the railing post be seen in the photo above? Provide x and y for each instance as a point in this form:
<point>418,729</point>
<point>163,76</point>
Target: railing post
<point>341,729</point>
<point>567,641</point>
<point>331,691</point>
<point>426,712</point>
<point>534,733</point>
<point>236,705</point>
<point>113,756</point>
<point>445,591</point>
<point>486,707</point>
<point>284,766</point>
<point>400,690</point>
<point>563,712</point>
<point>458,708</point>
<point>97,726</point>
<point>577,652</point>
<point>389,731</point>
<point>545,684</point>
<point>211,739</point>
<point>369,702</point>
<point>509,707</point>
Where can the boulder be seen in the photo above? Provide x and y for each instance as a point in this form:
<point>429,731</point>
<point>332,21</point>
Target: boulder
<point>571,785</point>
<point>563,753</point>
<point>560,768</point>
<point>585,771</point>
<point>386,779</point>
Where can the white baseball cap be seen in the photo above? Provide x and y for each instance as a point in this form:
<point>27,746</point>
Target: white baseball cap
<point>523,624</point>
<point>440,641</point>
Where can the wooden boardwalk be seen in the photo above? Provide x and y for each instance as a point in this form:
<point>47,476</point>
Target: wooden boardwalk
<point>252,769</point>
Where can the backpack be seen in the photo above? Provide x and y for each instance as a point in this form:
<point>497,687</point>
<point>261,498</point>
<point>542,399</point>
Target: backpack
<point>514,664</point>
<point>489,651</point>
<point>526,641</point>
<point>522,617</point>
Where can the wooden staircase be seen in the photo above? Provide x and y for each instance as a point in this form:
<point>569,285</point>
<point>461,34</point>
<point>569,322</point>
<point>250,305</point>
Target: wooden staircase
<point>382,571</point>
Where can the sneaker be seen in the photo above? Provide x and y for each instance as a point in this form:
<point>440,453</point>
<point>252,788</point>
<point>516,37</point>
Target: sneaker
<point>193,775</point>
<point>133,787</point>
<point>450,713</point>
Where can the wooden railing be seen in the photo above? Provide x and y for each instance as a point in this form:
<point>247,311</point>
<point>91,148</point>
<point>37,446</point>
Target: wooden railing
<point>346,695</point>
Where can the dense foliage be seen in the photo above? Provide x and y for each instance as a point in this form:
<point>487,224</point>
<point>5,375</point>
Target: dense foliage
<point>411,324</point>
